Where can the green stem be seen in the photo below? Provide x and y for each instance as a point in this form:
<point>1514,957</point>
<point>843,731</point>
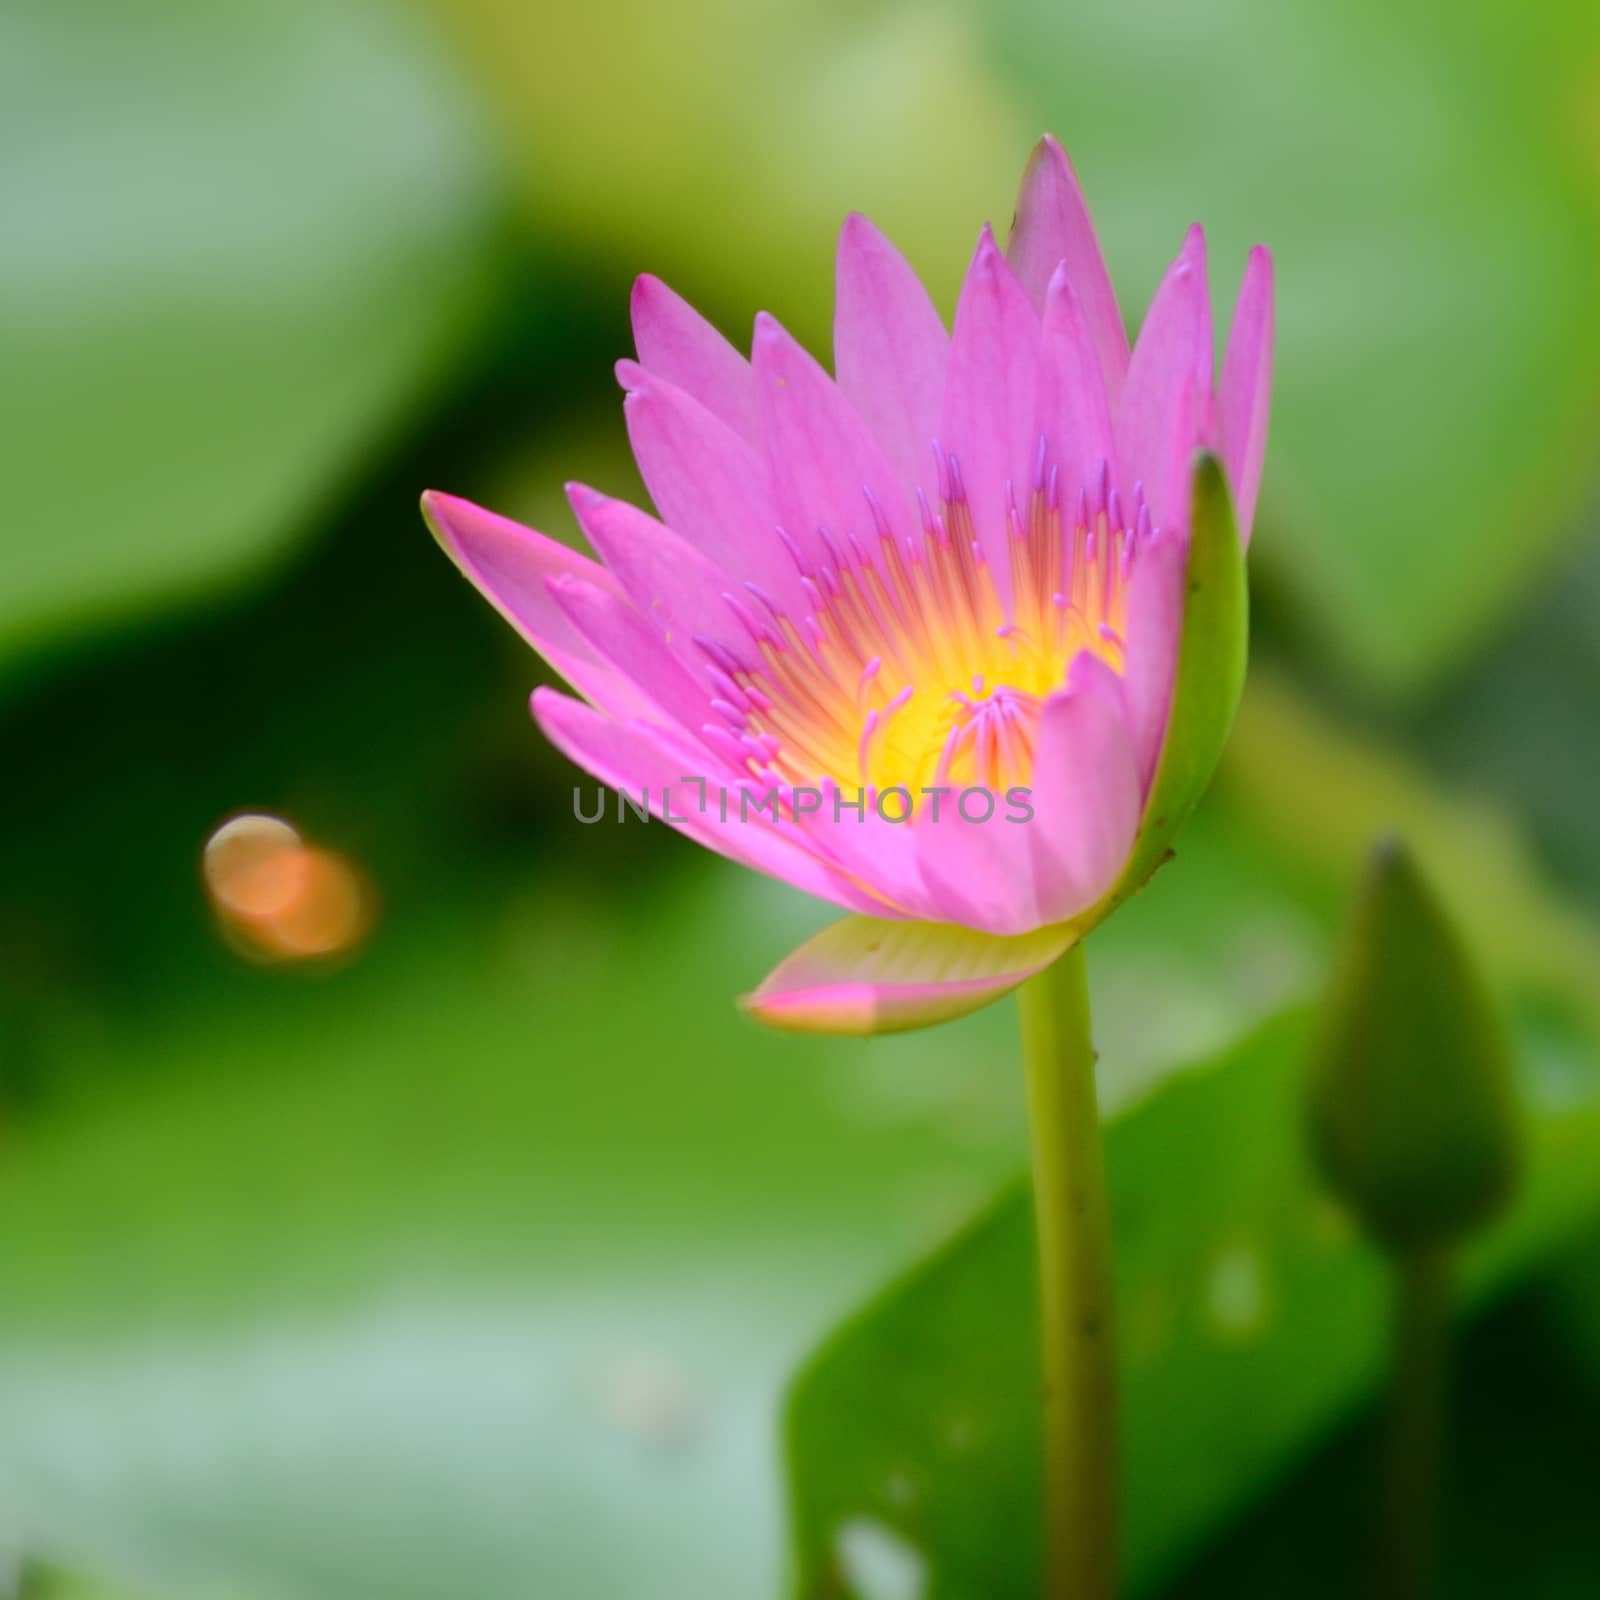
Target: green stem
<point>1421,1337</point>
<point>1074,1226</point>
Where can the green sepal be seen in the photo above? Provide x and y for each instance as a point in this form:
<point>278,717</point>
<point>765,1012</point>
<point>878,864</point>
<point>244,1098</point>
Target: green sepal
<point>1207,683</point>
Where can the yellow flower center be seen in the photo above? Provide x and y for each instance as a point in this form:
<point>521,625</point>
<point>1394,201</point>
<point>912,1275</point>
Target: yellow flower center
<point>910,673</point>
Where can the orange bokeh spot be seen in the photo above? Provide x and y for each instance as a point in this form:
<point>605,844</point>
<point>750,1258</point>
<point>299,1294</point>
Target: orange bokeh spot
<point>279,899</point>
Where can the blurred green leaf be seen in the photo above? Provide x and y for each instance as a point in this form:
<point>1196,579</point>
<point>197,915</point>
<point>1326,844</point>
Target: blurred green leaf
<point>1249,1320</point>
<point>722,151</point>
<point>237,244</point>
<point>1518,725</point>
<point>423,1278</point>
<point>51,1583</point>
<point>1318,793</point>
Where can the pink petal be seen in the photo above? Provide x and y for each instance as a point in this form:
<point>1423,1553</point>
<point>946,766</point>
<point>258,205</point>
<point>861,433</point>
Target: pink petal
<point>977,867</point>
<point>676,343</point>
<point>671,583</point>
<point>870,848</point>
<point>511,566</point>
<point>642,758</point>
<point>826,467</point>
<point>621,637</point>
<point>1246,393</point>
<point>1167,399</point>
<point>1154,634</point>
<point>1053,228</point>
<point>890,351</point>
<point>867,976</point>
<point>1074,416</point>
<point>1087,794</point>
<point>991,400</point>
<point>708,485</point>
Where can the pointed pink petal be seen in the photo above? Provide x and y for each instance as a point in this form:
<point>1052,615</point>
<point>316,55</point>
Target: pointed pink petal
<point>826,467</point>
<point>708,485</point>
<point>1087,795</point>
<point>977,866</point>
<point>671,583</point>
<point>1246,393</point>
<point>1154,633</point>
<point>1053,227</point>
<point>1166,402</point>
<point>511,566</point>
<point>890,351</point>
<point>1074,415</point>
<point>866,976</point>
<point>642,758</point>
<point>991,399</point>
<point>621,637</point>
<point>676,343</point>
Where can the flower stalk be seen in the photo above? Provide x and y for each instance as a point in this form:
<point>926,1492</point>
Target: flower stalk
<point>1075,1284</point>
<point>1420,1348</point>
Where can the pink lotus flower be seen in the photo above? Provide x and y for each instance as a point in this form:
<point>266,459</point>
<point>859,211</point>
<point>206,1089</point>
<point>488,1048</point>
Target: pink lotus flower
<point>951,639</point>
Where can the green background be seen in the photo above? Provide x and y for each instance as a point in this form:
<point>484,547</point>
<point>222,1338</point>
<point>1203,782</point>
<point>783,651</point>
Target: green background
<point>481,1264</point>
